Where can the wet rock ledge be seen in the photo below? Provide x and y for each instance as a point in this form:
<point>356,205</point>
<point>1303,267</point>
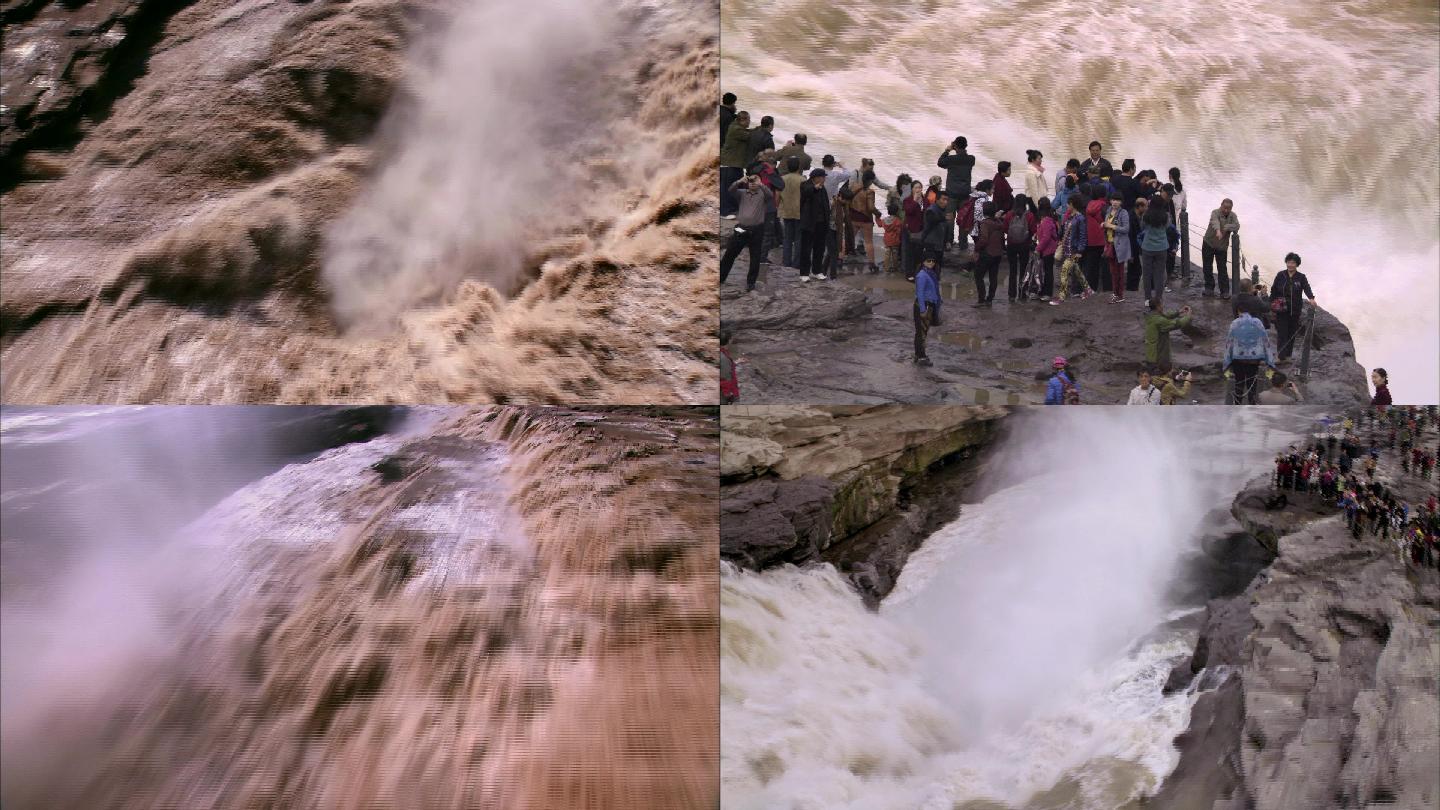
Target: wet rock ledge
<point>856,486</point>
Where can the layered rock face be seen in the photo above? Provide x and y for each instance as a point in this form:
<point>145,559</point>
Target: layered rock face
<point>1327,673</point>
<point>858,486</point>
<point>174,173</point>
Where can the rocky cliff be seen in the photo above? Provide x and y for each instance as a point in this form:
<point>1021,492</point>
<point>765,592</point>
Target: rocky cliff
<point>174,172</point>
<point>856,486</point>
<point>851,340</point>
<point>1320,678</point>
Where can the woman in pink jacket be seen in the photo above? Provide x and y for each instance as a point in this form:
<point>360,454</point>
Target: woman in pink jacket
<point>1047,239</point>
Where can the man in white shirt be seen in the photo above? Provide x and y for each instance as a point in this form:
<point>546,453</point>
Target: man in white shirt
<point>1145,393</point>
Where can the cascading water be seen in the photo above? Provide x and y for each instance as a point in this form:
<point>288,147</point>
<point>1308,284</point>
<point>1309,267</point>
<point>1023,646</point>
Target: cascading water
<point>1317,119</point>
<point>1021,656</point>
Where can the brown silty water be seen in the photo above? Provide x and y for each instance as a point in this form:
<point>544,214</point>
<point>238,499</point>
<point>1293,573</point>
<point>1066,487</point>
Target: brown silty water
<point>518,609</point>
<point>364,202</point>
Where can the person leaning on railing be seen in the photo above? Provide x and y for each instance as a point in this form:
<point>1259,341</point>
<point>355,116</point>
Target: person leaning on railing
<point>1287,301</point>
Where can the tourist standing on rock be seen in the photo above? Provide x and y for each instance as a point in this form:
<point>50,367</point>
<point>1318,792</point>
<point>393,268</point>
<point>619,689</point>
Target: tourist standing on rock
<point>1247,346</point>
<point>1019,242</point>
<point>1247,301</point>
<point>958,165</point>
<point>734,158</point>
<point>1047,240</point>
<point>727,114</point>
<point>773,183</point>
<point>1286,301</point>
<point>790,213</point>
<point>1154,243</point>
<point>836,178</point>
<point>1037,185</point>
<point>1144,392</point>
<point>1158,326</point>
<point>1117,244</point>
<point>1095,208</point>
<point>814,226</point>
<point>796,149</point>
<point>972,210</point>
<point>1000,192</point>
<point>932,238</point>
<point>749,228</point>
<point>895,197</point>
<point>863,217</point>
<point>990,249</point>
<point>1062,389</point>
<point>927,303</point>
<point>1067,187</point>
<point>1096,164</point>
<point>1381,380</point>
<point>1282,391</point>
<point>1179,198</point>
<point>1068,255</point>
<point>1215,247</point>
<point>912,236</point>
<point>761,138</point>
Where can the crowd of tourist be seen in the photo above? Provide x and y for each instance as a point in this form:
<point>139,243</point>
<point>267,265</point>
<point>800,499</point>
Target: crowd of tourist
<point>1344,472</point>
<point>1057,236</point>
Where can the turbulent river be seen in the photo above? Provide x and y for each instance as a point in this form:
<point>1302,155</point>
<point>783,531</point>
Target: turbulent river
<point>1020,659</point>
<point>1318,119</point>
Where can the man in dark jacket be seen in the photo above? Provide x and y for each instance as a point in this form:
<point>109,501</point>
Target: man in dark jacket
<point>749,228</point>
<point>957,164</point>
<point>1095,161</point>
<point>1248,301</point>
<point>734,157</point>
<point>814,225</point>
<point>727,114</point>
<point>1127,185</point>
<point>760,137</point>
<point>1290,286</point>
<point>932,238</point>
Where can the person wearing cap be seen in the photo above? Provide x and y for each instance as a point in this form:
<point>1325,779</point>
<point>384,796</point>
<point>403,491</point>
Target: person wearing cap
<point>1062,385</point>
<point>814,226</point>
<point>927,305</point>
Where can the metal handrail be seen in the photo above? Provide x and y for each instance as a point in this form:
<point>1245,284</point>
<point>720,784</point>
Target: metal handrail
<point>1309,331</point>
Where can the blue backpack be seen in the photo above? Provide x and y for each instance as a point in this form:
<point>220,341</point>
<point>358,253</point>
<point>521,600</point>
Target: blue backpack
<point>1248,339</point>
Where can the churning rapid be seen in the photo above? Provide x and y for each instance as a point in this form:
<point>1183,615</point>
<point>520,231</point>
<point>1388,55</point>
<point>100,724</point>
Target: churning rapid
<point>475,608</point>
<point>1021,656</point>
<point>465,201</point>
<point>1318,119</point>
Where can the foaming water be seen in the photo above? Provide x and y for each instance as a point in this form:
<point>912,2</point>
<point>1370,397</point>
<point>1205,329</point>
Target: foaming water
<point>1021,656</point>
<point>1318,119</point>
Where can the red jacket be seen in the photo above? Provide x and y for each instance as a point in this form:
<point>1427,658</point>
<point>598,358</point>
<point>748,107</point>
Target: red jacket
<point>1001,195</point>
<point>1095,222</point>
<point>914,215</point>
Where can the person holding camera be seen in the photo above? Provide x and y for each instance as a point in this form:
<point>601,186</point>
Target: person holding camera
<point>1172,390</point>
<point>1282,391</point>
<point>749,228</point>
<point>1158,326</point>
<point>1287,301</point>
<point>958,164</point>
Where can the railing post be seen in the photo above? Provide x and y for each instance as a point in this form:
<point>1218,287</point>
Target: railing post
<point>1254,274</point>
<point>1308,331</point>
<point>1234,263</point>
<point>1185,246</point>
